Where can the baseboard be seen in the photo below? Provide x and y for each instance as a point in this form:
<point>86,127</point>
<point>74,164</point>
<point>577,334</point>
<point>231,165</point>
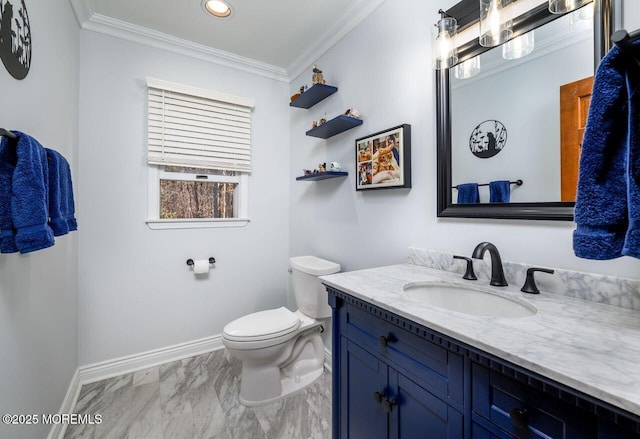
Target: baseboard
<point>132,363</point>
<point>68,404</point>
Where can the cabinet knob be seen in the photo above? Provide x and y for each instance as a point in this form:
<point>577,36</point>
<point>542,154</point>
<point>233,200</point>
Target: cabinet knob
<point>378,396</point>
<point>388,405</point>
<point>384,341</point>
<point>519,417</point>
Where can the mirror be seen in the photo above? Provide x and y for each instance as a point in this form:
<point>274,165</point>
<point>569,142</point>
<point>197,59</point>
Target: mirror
<point>504,123</point>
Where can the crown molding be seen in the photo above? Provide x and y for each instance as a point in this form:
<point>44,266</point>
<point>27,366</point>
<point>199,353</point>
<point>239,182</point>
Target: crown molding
<point>358,11</point>
<point>89,20</point>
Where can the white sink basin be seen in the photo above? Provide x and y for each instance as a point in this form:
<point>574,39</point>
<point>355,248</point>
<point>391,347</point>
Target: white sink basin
<point>468,300</point>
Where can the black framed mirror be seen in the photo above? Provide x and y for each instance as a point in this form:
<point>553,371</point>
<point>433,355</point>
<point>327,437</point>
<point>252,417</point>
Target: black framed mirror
<point>467,14</point>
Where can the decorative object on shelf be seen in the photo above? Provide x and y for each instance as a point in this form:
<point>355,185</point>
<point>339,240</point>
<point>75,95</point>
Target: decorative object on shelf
<point>322,121</point>
<point>303,88</point>
<point>314,124</point>
<point>352,112</point>
<point>335,166</point>
<point>383,159</point>
<point>488,139</point>
<point>322,167</point>
<point>15,39</point>
<point>307,172</point>
<point>317,77</point>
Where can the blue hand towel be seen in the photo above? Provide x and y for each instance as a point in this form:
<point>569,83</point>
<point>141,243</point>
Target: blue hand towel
<point>608,200</point>
<point>7,165</point>
<point>30,196</point>
<point>499,191</point>
<point>632,238</point>
<point>468,193</point>
<point>61,205</point>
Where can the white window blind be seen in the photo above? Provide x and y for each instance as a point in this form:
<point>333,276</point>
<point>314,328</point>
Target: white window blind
<point>198,128</point>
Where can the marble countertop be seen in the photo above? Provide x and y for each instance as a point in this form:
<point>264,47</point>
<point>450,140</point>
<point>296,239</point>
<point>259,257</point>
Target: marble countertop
<point>591,347</point>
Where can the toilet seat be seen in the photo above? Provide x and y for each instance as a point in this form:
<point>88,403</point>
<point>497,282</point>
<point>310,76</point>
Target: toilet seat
<point>262,325</point>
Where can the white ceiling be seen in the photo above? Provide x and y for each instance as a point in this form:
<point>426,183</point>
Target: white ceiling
<point>280,37</point>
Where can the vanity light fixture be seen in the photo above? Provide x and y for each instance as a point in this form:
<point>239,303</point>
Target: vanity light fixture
<point>468,68</point>
<point>446,52</point>
<point>217,8</point>
<point>519,46</point>
<point>564,6</point>
<point>495,26</point>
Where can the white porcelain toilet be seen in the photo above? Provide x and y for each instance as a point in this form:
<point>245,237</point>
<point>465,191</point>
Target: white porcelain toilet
<point>282,351</point>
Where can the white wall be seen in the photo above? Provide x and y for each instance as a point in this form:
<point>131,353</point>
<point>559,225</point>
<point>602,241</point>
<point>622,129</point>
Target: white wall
<point>136,291</point>
<point>383,68</point>
<point>38,291</point>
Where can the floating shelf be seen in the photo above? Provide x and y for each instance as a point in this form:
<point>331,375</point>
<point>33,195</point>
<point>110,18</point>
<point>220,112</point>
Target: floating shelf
<point>313,95</point>
<point>322,175</point>
<point>334,126</point>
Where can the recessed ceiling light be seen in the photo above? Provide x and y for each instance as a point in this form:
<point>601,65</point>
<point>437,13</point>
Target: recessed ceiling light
<point>217,8</point>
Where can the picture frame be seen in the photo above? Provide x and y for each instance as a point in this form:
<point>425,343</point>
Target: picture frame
<point>383,159</point>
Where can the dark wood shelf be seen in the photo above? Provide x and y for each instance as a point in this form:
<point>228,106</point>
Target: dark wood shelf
<point>335,126</point>
<point>313,95</point>
<point>322,175</point>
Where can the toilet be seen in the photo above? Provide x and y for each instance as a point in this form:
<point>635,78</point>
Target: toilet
<point>282,351</point>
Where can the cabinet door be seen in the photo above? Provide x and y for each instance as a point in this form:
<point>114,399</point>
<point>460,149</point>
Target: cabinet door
<point>523,411</point>
<point>361,376</point>
<point>418,414</point>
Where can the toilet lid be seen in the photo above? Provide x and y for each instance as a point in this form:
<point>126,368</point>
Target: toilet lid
<point>262,325</point>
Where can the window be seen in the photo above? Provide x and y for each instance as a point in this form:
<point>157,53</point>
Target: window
<point>199,157</point>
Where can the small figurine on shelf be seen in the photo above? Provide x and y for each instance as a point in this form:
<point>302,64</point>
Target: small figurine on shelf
<point>352,112</point>
<point>335,166</point>
<point>317,77</point>
<point>302,89</point>
<point>314,124</point>
<point>307,171</point>
<point>322,167</point>
<point>322,121</point>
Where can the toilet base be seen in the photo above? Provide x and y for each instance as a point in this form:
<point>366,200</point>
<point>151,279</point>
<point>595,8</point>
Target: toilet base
<point>289,386</point>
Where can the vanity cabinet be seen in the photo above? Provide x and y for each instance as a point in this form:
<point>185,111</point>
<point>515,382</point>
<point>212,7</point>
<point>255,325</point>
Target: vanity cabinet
<point>394,378</point>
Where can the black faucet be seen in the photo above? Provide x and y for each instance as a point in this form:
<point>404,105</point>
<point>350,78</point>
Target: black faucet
<point>497,274</point>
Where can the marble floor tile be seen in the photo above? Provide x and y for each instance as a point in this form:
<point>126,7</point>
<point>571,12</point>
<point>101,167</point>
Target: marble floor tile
<point>197,398</point>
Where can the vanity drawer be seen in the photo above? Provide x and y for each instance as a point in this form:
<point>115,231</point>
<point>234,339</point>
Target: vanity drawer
<point>524,411</point>
<point>430,365</point>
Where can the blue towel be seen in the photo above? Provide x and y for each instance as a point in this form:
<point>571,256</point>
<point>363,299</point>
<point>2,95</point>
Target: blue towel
<point>499,191</point>
<point>468,193</point>
<point>30,196</point>
<point>7,165</point>
<point>607,210</point>
<point>61,205</point>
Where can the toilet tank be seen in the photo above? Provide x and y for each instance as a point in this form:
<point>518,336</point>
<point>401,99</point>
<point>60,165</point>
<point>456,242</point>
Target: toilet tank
<point>310,294</point>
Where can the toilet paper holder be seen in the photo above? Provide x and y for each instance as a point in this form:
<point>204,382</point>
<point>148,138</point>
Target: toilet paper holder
<point>211,261</point>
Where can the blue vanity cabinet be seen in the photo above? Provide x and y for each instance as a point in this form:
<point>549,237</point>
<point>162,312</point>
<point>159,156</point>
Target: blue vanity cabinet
<point>394,378</point>
<point>391,383</point>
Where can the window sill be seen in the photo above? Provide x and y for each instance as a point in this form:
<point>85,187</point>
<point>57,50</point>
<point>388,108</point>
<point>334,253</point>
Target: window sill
<point>207,223</point>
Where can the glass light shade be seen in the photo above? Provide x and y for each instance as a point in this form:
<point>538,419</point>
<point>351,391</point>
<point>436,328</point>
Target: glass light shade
<point>564,6</point>
<point>495,26</point>
<point>519,46</point>
<point>445,50</point>
<point>467,69</point>
<point>218,8</point>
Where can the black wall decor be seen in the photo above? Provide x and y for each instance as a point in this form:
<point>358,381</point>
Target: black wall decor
<point>15,38</point>
<point>488,138</point>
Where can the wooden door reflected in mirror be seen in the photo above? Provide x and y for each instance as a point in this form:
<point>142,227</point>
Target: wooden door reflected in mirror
<point>574,109</point>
